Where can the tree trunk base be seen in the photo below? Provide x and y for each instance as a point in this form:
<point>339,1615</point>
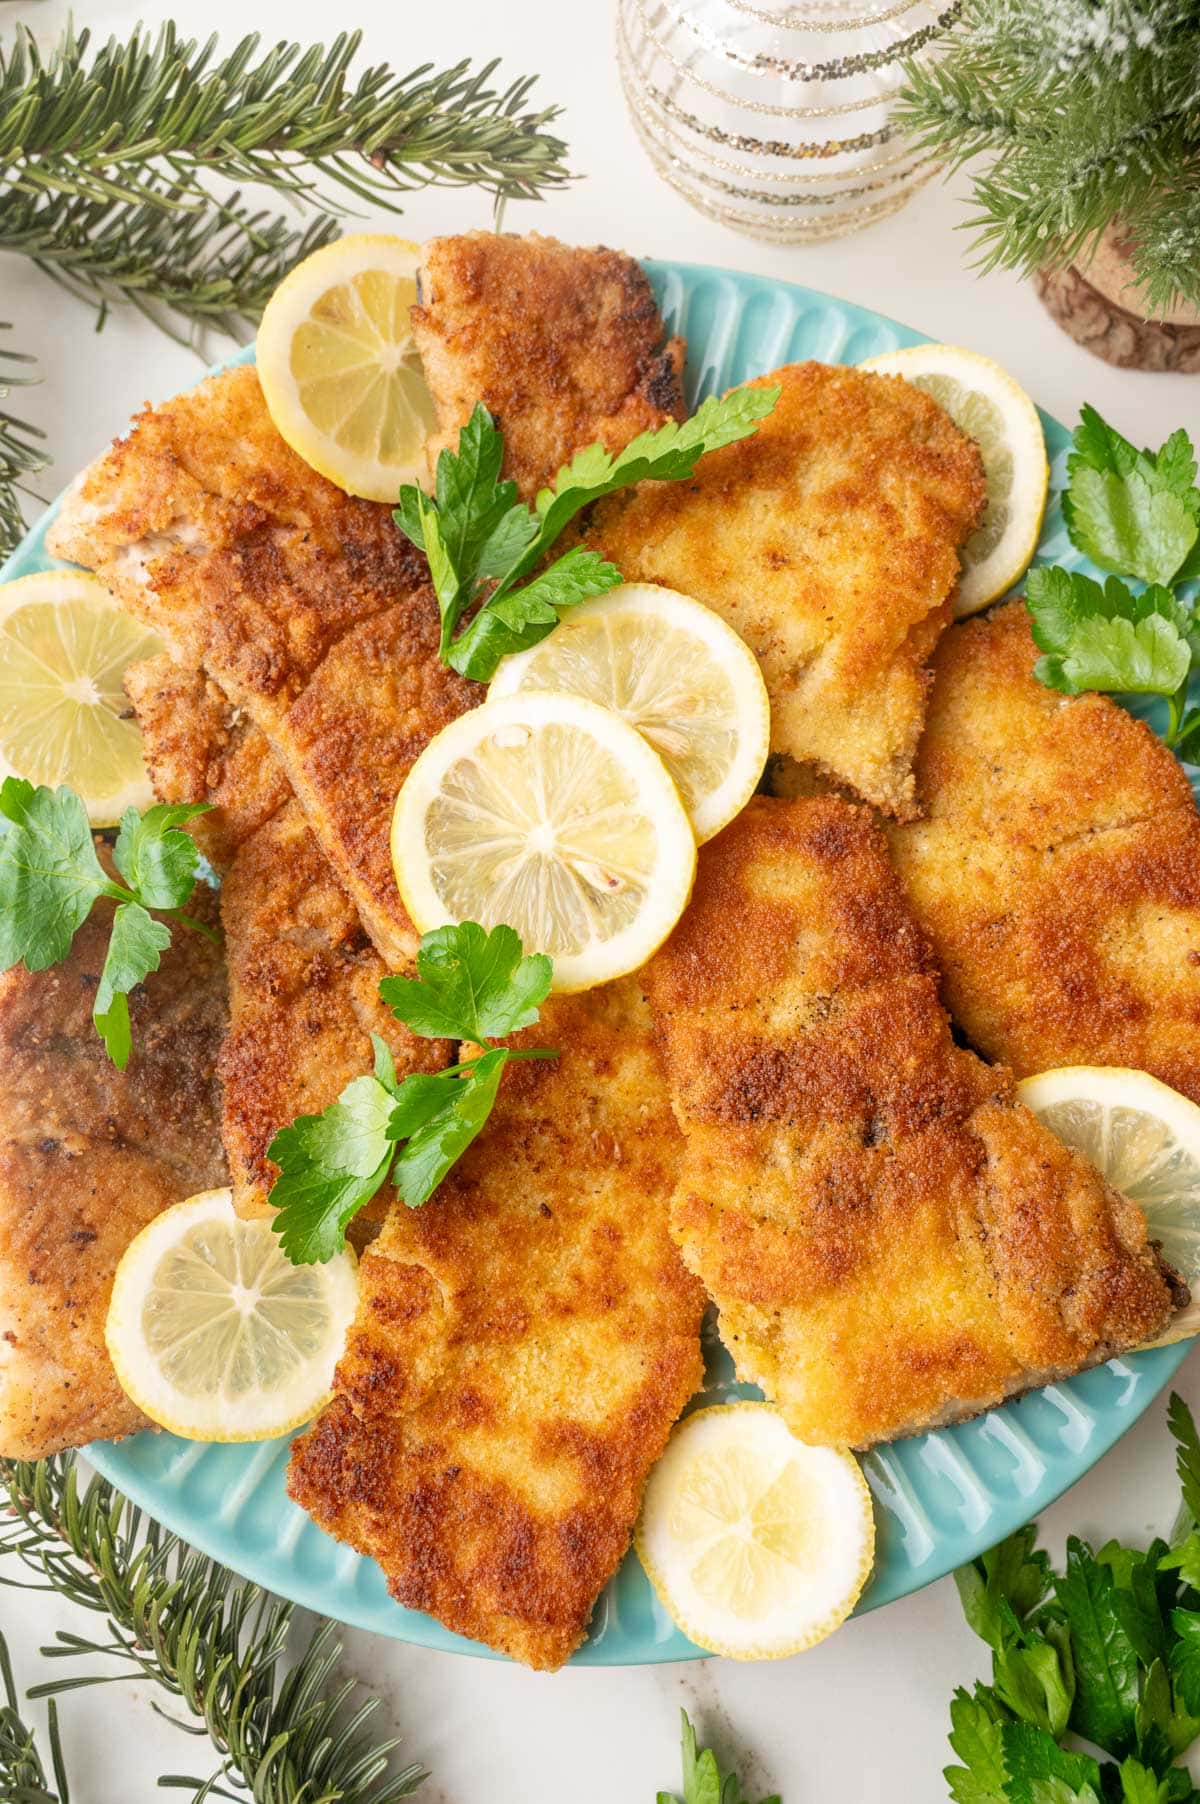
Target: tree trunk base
<point>1111,331</point>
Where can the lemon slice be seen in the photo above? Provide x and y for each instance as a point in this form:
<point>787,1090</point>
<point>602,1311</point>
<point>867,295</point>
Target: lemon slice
<point>64,718</point>
<point>757,1545</point>
<point>215,1334</point>
<point>339,368</point>
<point>984,402</point>
<point>679,674</point>
<point>553,814</point>
<point>1145,1138</point>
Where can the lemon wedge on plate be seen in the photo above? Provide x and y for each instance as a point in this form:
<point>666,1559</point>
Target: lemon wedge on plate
<point>757,1545</point>
<point>1145,1138</point>
<point>679,674</point>
<point>339,368</point>
<point>984,402</point>
<point>215,1334</point>
<point>64,717</point>
<point>553,814</point>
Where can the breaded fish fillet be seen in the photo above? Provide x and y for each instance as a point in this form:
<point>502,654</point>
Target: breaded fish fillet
<point>892,1242</point>
<point>829,540</point>
<point>563,346</point>
<point>88,1156</point>
<point>1058,869</point>
<point>303,996</point>
<point>307,609</point>
<point>523,1345</point>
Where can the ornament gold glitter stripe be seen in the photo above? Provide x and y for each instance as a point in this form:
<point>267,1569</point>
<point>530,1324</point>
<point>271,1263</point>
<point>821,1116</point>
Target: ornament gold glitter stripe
<point>687,148</point>
<point>837,68</point>
<point>763,147</point>
<point>755,226</point>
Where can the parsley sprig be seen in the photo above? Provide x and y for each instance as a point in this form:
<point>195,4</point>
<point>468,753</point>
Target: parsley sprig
<point>703,1780</point>
<point>51,878</point>
<point>1135,514</point>
<point>481,541</point>
<point>1107,1651</point>
<point>471,986</point>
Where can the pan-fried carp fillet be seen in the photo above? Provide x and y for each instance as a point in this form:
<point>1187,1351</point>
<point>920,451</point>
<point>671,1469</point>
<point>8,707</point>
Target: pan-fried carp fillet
<point>1057,871</point>
<point>88,1156</point>
<point>523,1345</point>
<point>563,346</point>
<point>829,539</point>
<point>892,1242</point>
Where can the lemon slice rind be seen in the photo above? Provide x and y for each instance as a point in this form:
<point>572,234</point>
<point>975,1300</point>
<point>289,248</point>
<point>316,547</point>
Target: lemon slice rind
<point>678,673</point>
<point>600,881</point>
<point>1145,1138</point>
<point>978,393</point>
<point>65,644</point>
<point>332,343</point>
<point>215,1335</point>
<point>757,1545</point>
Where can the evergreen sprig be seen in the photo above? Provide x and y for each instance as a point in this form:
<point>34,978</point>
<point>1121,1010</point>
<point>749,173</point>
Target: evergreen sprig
<point>104,124</point>
<point>24,1778</point>
<point>21,455</point>
<point>212,1640</point>
<point>1089,110</point>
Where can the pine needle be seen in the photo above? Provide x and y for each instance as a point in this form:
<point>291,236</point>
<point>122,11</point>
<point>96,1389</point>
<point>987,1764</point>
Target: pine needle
<point>23,1775</point>
<point>20,454</point>
<point>213,1641</point>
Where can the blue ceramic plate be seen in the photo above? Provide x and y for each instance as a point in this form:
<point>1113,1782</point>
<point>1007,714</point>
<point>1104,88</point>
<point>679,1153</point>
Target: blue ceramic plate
<point>939,1499</point>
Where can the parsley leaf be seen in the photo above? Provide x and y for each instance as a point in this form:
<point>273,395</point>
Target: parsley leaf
<point>475,532</point>
<point>1133,512</point>
<point>703,1780</point>
<point>51,876</point>
<point>1015,1572</point>
<point>1187,1453</point>
<point>1107,638</point>
<point>1040,1772</point>
<point>1106,1665</point>
<point>977,1738</point>
<point>472,986</point>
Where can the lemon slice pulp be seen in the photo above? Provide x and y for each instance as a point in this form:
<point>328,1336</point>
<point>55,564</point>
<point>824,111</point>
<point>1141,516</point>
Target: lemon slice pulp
<point>1145,1138</point>
<point>984,402</point>
<point>339,368</point>
<point>679,674</point>
<point>757,1545</point>
<point>550,813</point>
<point>64,717</point>
<point>215,1334</point>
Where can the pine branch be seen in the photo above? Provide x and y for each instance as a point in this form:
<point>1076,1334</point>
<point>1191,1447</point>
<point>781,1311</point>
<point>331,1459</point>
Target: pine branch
<point>206,1637</point>
<point>164,108</point>
<point>23,1775</point>
<point>20,456</point>
<point>213,268</point>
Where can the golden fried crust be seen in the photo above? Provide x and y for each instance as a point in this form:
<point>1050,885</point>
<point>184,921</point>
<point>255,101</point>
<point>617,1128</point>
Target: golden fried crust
<point>1058,871</point>
<point>88,1156</point>
<point>563,346</point>
<point>246,562</point>
<point>352,737</point>
<point>199,747</point>
<point>304,998</point>
<point>829,541</point>
<point>523,1345</point>
<point>892,1242</point>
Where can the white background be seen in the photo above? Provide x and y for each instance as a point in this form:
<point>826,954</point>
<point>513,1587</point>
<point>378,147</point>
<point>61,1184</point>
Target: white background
<point>862,1718</point>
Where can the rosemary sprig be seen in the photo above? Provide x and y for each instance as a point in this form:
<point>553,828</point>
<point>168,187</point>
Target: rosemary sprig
<point>23,1775</point>
<point>20,453</point>
<point>100,124</point>
<point>210,1639</point>
<point>213,267</point>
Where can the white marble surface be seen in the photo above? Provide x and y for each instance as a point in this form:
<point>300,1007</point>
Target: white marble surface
<point>862,1718</point>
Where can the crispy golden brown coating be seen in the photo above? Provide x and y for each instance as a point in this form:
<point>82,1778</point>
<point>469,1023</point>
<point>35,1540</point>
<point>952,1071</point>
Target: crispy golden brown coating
<point>563,346</point>
<point>829,540</point>
<point>892,1242</point>
<point>88,1156</point>
<point>1058,869</point>
<point>303,998</point>
<point>523,1345</point>
<point>200,747</point>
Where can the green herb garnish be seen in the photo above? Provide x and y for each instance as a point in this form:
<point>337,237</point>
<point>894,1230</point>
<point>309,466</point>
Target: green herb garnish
<point>1135,514</point>
<point>471,986</point>
<point>51,877</point>
<point>703,1780</point>
<point>1107,1651</point>
<point>476,533</point>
